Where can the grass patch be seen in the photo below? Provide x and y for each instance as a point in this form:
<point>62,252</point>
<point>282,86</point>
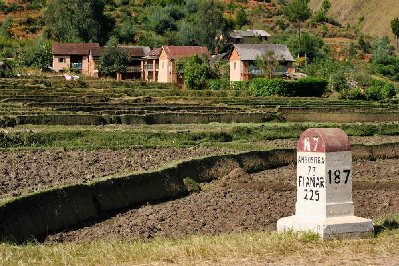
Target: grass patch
<point>232,249</point>
<point>245,136</point>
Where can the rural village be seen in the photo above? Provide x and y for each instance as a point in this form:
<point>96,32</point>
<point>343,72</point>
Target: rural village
<point>199,132</point>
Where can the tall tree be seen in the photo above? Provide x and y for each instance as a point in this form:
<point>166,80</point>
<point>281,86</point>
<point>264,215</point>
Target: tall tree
<point>210,24</point>
<point>297,12</point>
<point>78,21</point>
<point>395,30</point>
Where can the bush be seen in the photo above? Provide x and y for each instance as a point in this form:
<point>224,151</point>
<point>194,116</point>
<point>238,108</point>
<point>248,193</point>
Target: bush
<point>352,94</point>
<point>218,84</point>
<point>380,90</point>
<point>239,85</point>
<point>269,87</point>
<point>306,87</point>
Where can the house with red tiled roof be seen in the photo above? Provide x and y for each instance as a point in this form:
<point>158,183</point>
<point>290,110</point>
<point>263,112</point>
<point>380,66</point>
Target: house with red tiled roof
<point>168,56</point>
<point>68,56</point>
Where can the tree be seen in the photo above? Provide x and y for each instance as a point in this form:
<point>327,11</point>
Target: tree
<point>382,51</point>
<point>78,21</point>
<point>39,55</point>
<point>364,45</point>
<point>127,30</point>
<point>210,25</point>
<point>268,63</point>
<point>326,5</point>
<point>307,44</point>
<point>395,30</point>
<point>297,12</point>
<point>321,15</point>
<point>113,60</point>
<point>197,72</point>
<point>241,17</point>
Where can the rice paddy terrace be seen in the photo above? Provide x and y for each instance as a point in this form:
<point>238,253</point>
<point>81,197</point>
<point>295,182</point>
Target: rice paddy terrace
<point>96,102</point>
<point>99,159</point>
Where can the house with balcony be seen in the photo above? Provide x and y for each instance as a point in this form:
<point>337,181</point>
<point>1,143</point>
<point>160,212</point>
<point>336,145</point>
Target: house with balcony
<point>167,61</point>
<point>74,56</point>
<point>151,65</point>
<point>135,69</point>
<point>242,60</point>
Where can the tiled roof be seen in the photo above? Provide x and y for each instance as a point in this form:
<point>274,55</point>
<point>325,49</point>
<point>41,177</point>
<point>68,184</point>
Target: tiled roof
<point>136,51</point>
<point>174,52</point>
<point>239,34</point>
<point>154,53</point>
<point>249,52</point>
<point>96,51</point>
<point>73,48</point>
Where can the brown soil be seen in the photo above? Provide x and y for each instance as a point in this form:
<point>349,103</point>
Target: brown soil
<point>25,171</point>
<point>22,172</point>
<point>242,202</point>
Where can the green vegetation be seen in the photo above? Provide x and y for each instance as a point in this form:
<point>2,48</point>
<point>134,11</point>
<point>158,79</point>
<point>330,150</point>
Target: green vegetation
<point>78,21</point>
<point>304,87</point>
<point>120,137</point>
<point>39,55</point>
<point>395,30</point>
<point>113,60</point>
<point>197,71</point>
<point>251,247</point>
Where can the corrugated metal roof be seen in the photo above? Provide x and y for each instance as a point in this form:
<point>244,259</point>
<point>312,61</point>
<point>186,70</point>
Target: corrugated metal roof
<point>73,48</point>
<point>239,34</point>
<point>249,52</point>
<point>174,52</point>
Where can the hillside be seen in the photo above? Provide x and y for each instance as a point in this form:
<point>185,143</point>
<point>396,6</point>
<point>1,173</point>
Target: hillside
<point>370,16</point>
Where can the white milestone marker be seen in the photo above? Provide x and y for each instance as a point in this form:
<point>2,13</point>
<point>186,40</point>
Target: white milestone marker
<point>324,187</point>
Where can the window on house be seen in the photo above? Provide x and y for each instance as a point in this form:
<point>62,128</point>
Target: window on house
<point>162,64</point>
<point>235,65</point>
<point>61,60</point>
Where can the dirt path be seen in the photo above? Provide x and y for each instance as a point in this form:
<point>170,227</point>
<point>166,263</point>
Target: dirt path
<point>242,202</point>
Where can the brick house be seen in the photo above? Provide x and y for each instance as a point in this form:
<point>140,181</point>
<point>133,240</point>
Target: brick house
<point>135,69</point>
<point>151,65</point>
<point>85,57</point>
<point>242,59</point>
<point>74,56</point>
<point>167,60</point>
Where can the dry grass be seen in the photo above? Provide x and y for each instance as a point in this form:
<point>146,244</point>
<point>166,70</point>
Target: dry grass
<point>257,248</point>
<point>377,14</point>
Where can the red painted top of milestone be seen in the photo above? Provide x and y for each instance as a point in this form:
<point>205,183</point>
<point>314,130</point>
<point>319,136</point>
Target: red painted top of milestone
<point>323,140</point>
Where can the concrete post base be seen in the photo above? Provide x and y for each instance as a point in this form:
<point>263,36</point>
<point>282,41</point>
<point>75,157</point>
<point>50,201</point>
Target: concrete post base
<point>346,226</point>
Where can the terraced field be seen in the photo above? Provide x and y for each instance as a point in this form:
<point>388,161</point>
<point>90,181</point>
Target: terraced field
<point>110,160</point>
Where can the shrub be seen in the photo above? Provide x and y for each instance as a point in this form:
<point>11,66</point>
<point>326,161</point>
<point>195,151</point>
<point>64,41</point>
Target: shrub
<point>380,90</point>
<point>308,87</point>
<point>352,94</point>
<point>218,84</point>
<point>305,87</point>
<point>239,85</point>
<point>269,87</point>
